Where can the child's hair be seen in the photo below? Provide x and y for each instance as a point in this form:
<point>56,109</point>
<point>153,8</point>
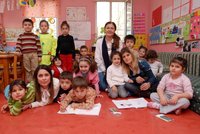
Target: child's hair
<point>37,85</point>
<point>64,23</point>
<point>45,22</point>
<point>89,60</point>
<point>83,47</point>
<point>116,53</point>
<point>77,52</point>
<point>151,54</point>
<point>66,75</point>
<point>116,38</point>
<point>179,60</point>
<point>79,81</point>
<point>17,83</point>
<point>27,20</point>
<point>56,58</point>
<point>143,47</point>
<point>130,37</point>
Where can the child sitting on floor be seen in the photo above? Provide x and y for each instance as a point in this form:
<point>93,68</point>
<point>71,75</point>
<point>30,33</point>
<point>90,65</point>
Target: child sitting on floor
<point>65,85</point>
<point>19,95</point>
<point>174,89</point>
<point>82,96</point>
<point>57,67</point>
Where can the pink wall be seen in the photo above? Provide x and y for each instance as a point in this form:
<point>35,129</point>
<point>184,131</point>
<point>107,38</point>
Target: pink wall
<point>170,47</point>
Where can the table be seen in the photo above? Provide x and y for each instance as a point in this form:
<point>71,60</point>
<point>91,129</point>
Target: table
<point>5,60</point>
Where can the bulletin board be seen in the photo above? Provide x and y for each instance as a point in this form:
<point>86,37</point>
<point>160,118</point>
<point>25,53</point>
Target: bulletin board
<point>141,39</point>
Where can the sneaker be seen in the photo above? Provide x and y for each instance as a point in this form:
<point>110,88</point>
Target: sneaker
<point>153,105</point>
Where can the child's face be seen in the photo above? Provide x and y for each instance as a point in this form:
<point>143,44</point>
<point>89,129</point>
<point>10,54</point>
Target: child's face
<point>44,27</point>
<point>129,43</point>
<point>116,60</point>
<point>176,69</point>
<point>84,66</point>
<point>18,92</point>
<point>77,57</point>
<point>65,84</point>
<point>57,62</point>
<point>43,78</point>
<point>141,53</point>
<point>27,27</point>
<point>65,30</point>
<point>83,52</point>
<point>151,60</point>
<point>80,93</point>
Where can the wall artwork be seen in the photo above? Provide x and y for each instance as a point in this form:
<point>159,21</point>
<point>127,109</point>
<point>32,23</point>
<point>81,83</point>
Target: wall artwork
<point>139,23</point>
<point>195,25</point>
<point>155,35</point>
<point>141,39</point>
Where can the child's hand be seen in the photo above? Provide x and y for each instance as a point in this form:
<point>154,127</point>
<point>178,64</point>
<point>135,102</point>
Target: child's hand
<point>158,74</point>
<point>39,59</point>
<point>173,100</point>
<point>140,79</point>
<point>4,108</point>
<point>62,96</point>
<point>18,53</point>
<point>62,107</point>
<point>26,107</point>
<point>114,88</point>
<point>74,105</point>
<point>145,86</point>
<point>163,101</point>
<point>130,81</point>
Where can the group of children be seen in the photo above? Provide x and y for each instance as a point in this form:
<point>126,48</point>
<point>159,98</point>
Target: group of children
<point>80,74</point>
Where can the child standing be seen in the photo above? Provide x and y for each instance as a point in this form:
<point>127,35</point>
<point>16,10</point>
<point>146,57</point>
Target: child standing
<point>87,68</point>
<point>28,44</point>
<point>48,43</point>
<point>174,89</point>
<point>116,77</point>
<point>129,41</point>
<point>156,66</point>
<point>19,95</point>
<point>142,51</point>
<point>66,47</point>
<point>65,85</point>
<point>56,68</point>
<point>82,96</point>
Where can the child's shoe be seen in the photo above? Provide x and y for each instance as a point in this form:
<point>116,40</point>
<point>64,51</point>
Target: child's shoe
<point>153,105</point>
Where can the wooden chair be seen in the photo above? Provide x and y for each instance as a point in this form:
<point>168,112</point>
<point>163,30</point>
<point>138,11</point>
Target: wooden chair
<point>17,69</point>
<point>1,81</point>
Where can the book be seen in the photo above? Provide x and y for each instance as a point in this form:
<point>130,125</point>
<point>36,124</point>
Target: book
<point>130,103</point>
<point>94,111</point>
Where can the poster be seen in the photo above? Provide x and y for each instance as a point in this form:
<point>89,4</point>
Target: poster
<point>155,35</point>
<point>76,14</point>
<point>167,15</point>
<point>12,34</point>
<point>139,23</point>
<point>141,39</point>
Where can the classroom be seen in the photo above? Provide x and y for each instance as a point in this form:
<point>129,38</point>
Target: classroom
<point>100,66</point>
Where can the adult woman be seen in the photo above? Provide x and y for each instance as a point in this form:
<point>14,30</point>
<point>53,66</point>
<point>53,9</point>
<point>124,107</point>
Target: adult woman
<point>144,82</point>
<point>104,47</point>
<point>45,85</point>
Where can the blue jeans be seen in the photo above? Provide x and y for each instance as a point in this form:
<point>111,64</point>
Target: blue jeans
<point>102,81</point>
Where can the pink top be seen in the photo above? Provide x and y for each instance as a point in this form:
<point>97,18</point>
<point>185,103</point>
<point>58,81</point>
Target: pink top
<point>92,79</point>
<point>176,86</point>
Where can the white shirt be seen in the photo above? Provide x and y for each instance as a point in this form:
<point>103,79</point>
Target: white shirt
<point>116,75</point>
<point>98,54</point>
<point>45,94</point>
<point>156,67</point>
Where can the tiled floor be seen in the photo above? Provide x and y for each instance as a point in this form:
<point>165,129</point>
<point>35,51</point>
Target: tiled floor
<point>45,120</point>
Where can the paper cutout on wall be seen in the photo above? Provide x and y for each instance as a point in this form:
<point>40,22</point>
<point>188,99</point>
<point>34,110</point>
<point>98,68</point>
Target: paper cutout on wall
<point>141,39</point>
<point>195,25</point>
<point>157,16</point>
<point>155,35</point>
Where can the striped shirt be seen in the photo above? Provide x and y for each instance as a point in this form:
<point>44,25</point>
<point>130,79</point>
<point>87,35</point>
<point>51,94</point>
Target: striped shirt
<point>28,43</point>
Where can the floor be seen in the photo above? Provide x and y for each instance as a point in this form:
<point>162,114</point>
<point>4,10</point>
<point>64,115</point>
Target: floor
<point>45,120</point>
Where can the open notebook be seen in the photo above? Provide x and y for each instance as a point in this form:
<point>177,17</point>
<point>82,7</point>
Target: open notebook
<point>130,103</point>
<point>94,111</point>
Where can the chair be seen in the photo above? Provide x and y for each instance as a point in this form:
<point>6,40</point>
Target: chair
<point>1,81</point>
<point>17,69</point>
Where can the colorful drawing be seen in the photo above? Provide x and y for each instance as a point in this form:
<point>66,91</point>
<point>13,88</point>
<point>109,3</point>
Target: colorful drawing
<point>141,39</point>
<point>195,25</point>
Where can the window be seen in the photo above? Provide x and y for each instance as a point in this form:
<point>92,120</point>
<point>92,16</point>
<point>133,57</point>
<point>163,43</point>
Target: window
<point>118,11</point>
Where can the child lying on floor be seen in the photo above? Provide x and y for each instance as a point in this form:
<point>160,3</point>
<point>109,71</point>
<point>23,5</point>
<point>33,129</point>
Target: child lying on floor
<point>81,96</point>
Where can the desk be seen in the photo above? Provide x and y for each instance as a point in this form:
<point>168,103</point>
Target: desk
<point>5,60</point>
